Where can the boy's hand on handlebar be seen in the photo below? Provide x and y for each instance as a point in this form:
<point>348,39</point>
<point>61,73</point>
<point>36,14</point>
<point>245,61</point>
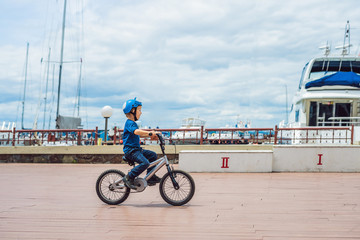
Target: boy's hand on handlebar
<point>154,135</point>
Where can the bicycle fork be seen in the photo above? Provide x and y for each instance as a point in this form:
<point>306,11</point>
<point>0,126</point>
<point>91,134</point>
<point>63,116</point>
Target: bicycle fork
<point>171,173</point>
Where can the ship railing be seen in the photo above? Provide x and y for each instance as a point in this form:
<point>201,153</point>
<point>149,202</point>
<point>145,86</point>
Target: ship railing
<point>339,121</point>
<point>314,135</point>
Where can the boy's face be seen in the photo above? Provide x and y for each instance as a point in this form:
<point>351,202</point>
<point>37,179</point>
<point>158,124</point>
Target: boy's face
<point>138,112</point>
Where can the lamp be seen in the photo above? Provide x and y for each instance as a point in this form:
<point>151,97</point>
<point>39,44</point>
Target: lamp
<point>106,112</point>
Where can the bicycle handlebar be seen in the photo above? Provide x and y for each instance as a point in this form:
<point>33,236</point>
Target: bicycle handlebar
<point>162,142</point>
<point>161,139</point>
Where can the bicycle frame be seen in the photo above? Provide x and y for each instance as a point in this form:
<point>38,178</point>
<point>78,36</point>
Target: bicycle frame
<point>158,164</point>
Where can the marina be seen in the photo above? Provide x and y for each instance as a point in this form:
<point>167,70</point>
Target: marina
<point>221,176</point>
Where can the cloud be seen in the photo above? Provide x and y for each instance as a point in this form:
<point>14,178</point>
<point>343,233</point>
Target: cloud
<point>219,60</point>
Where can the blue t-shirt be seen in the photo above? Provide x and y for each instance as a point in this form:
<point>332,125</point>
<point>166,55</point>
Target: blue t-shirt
<point>130,139</point>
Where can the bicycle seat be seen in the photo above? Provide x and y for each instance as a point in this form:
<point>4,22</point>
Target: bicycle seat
<point>128,161</point>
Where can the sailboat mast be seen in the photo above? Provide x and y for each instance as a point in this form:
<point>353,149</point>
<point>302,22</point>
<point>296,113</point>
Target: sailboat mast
<point>23,101</point>
<point>47,83</point>
<point>79,90</point>
<point>287,108</point>
<point>52,94</point>
<point>61,59</point>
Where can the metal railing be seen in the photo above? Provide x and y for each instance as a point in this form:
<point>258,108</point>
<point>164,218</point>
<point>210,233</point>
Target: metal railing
<point>5,137</point>
<point>239,135</point>
<point>209,136</point>
<point>53,137</point>
<point>314,135</point>
<point>338,121</point>
<point>308,135</point>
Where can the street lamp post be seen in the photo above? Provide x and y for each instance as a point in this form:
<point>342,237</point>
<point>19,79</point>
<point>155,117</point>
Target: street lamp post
<point>106,112</point>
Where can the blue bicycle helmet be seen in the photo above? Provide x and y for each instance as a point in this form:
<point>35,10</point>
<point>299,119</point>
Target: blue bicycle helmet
<point>130,104</point>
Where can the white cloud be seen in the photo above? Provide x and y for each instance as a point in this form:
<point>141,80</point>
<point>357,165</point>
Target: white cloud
<point>219,60</point>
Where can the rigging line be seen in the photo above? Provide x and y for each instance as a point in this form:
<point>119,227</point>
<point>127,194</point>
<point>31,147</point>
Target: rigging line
<point>46,89</point>
<point>52,95</point>
<point>53,30</point>
<point>21,89</point>
<point>77,96</point>
<point>73,44</point>
<point>40,89</point>
<point>83,53</point>
<point>24,96</point>
<point>47,40</point>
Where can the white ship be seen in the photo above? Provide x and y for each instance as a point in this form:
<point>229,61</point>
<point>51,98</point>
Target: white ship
<point>329,91</point>
<point>193,125</point>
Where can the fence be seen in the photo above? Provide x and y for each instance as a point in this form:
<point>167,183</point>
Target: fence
<point>5,137</point>
<point>209,136</point>
<point>313,135</point>
<point>49,137</point>
<point>309,135</point>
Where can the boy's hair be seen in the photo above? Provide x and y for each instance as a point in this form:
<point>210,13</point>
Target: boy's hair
<point>128,114</point>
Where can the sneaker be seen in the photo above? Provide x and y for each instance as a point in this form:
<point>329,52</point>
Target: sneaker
<point>154,180</point>
<point>129,182</point>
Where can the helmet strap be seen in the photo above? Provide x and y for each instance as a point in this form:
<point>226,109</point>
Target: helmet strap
<point>134,114</point>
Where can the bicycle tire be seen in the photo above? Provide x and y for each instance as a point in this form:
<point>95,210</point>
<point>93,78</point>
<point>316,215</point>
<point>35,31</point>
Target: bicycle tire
<point>104,191</point>
<point>181,196</point>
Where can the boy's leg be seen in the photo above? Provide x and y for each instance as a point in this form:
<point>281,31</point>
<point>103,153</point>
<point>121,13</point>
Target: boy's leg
<point>138,157</point>
<point>151,156</point>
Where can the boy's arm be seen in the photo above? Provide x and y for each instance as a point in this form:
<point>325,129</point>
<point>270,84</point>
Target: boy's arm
<point>144,133</point>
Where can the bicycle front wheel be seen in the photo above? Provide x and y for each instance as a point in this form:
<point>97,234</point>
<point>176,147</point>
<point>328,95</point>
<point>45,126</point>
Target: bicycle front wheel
<point>110,188</point>
<point>183,194</point>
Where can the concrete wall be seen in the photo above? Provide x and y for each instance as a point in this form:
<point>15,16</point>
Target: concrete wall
<point>286,158</point>
<point>243,158</point>
<point>96,154</point>
<point>226,161</point>
<point>320,158</point>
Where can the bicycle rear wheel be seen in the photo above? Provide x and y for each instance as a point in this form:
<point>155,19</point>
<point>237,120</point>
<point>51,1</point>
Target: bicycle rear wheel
<point>108,191</point>
<point>173,196</point>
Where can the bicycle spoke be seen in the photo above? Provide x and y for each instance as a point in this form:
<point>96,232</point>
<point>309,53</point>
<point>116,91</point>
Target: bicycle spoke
<point>105,187</point>
<point>180,194</point>
<point>108,191</point>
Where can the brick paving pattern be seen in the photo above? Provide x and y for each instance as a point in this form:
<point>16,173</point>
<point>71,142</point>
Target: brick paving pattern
<point>58,201</point>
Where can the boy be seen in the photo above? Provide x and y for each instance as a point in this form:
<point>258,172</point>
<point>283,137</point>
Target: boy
<point>132,149</point>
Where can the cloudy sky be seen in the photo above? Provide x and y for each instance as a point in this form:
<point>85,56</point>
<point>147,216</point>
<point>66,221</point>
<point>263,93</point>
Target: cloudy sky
<point>222,61</point>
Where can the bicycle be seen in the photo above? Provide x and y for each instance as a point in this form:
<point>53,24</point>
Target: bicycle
<point>176,187</point>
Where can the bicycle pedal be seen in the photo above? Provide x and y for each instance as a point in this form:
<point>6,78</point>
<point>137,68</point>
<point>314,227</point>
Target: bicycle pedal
<point>151,184</point>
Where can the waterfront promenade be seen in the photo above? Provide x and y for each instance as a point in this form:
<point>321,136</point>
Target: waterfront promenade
<point>58,201</point>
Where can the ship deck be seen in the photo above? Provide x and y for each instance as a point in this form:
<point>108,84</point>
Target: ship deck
<point>58,201</point>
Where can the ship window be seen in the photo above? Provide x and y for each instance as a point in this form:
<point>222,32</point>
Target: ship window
<point>297,115</point>
<point>302,75</point>
<point>313,114</point>
<point>320,114</point>
<point>343,110</point>
<point>335,66</point>
<point>325,112</point>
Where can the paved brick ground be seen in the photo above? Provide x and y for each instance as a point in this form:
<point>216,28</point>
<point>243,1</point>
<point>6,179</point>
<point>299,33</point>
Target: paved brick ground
<point>52,201</point>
